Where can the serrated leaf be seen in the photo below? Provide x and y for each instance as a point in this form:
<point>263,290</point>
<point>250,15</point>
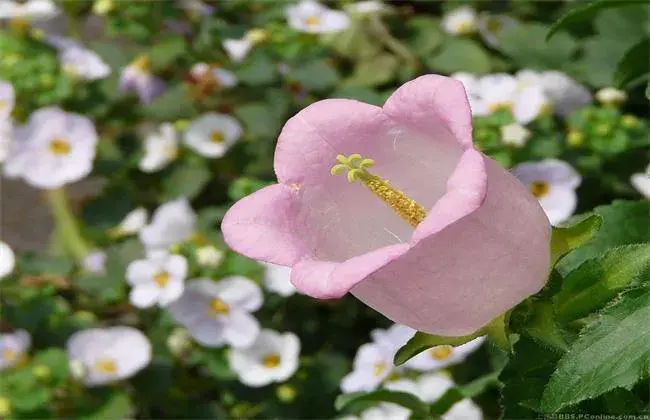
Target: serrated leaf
<point>186,180</point>
<point>410,401</point>
<point>596,282</point>
<point>612,352</point>
<point>315,75</point>
<point>634,64</point>
<point>422,341</point>
<point>565,239</point>
<point>460,55</point>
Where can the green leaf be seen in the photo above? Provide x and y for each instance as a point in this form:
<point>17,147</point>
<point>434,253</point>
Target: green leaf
<point>410,401</point>
<point>586,12</point>
<point>175,103</point>
<point>186,180</point>
<point>375,71</point>
<point>624,222</point>
<point>568,238</point>
<point>522,43</point>
<point>112,53</point>
<point>460,55</point>
<point>258,70</point>
<point>259,119</point>
<point>359,93</point>
<point>634,64</point>
<point>56,360</point>
<point>117,405</point>
<point>460,392</point>
<point>355,42</point>
<point>596,282</point>
<point>422,341</point>
<point>52,266</point>
<point>427,35</point>
<point>165,52</point>
<point>315,75</point>
<point>612,352</point>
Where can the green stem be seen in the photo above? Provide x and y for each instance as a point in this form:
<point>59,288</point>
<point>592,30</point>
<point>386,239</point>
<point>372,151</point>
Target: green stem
<point>383,33</point>
<point>67,227</point>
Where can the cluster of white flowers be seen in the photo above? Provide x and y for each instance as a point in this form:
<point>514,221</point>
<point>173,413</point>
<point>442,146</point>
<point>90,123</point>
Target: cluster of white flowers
<point>312,17</point>
<point>78,61</point>
<point>464,20</point>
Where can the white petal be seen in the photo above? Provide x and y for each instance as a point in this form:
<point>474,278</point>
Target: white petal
<point>208,332</point>
<point>176,266</point>
<point>7,260</point>
<point>171,292</point>
<point>239,292</point>
<point>464,410</point>
<point>554,171</point>
<point>403,385</point>
<point>237,49</point>
<point>95,262</point>
<point>131,349</point>
<point>240,329</point>
<point>144,295</point>
<point>432,386</point>
<point>7,99</point>
<point>172,222</point>
<point>529,103</point>
<point>642,183</point>
<point>461,20</point>
<point>277,278</point>
<point>199,133</point>
<point>559,204</point>
<point>141,272</point>
<point>565,93</point>
<point>289,357</point>
<point>133,221</point>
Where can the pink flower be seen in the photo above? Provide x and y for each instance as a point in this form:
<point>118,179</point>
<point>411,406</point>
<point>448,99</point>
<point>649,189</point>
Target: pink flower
<point>451,242</point>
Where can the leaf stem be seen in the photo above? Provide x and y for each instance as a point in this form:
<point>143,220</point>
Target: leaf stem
<point>67,228</point>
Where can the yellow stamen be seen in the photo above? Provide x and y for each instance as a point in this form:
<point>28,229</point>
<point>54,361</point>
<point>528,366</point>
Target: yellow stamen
<point>142,63</point>
<point>441,353</point>
<point>9,355</point>
<point>216,137</point>
<point>59,146</point>
<point>107,366</point>
<point>379,368</point>
<point>218,307</point>
<point>271,361</point>
<point>161,279</point>
<point>500,106</point>
<point>357,169</point>
<point>312,21</point>
<point>539,188</point>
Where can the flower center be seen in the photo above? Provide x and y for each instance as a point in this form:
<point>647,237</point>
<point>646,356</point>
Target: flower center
<point>271,361</point>
<point>216,136</point>
<point>539,189</point>
<point>107,366</point>
<point>441,353</point>
<point>218,307</point>
<point>357,169</point>
<point>466,27</point>
<point>142,63</point>
<point>379,368</point>
<point>59,146</point>
<point>500,106</point>
<point>170,151</point>
<point>161,279</point>
<point>312,21</point>
<point>9,355</point>
<point>3,105</point>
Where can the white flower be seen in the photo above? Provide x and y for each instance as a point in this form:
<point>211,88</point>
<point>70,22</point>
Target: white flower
<point>84,64</point>
<point>107,355</point>
<point>514,135</point>
<point>137,77</point>
<point>95,262</point>
<point>432,386</point>
<point>205,73</point>
<point>564,94</point>
<point>53,149</point>
<point>460,21</point>
<point>7,260</point>
<point>212,134</point>
<point>273,357</point>
<point>489,26</point>
<point>6,135</point>
<point>179,341</point>
<point>209,256</point>
<point>13,347</point>
<point>463,410</point>
<point>132,223</point>
<point>156,280</point>
<point>611,96</point>
<point>366,7</point>
<point>314,18</point>
<point>160,148</point>
<point>554,183</point>
<point>277,278</point>
<point>219,313</point>
<point>641,182</point>
<point>439,357</point>
<point>173,222</point>
<point>237,49</point>
<point>7,99</point>
<point>472,88</point>
<point>373,362</point>
<point>29,10</point>
<point>502,91</point>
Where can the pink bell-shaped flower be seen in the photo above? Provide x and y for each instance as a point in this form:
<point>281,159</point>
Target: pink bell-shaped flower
<point>426,230</point>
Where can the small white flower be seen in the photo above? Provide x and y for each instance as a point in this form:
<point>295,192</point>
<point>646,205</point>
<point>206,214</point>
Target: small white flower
<point>314,18</point>
<point>277,278</point>
<point>219,313</point>
<point>502,91</point>
<point>205,73</point>
<point>554,183</point>
<point>237,49</point>
<point>84,64</point>
<point>432,386</point>
<point>514,135</point>
<point>160,148</point>
<point>209,256</point>
<point>7,260</point>
<point>95,262</point>
<point>156,280</point>
<point>7,99</point>
<point>373,362</point>
<point>137,77</point>
<point>366,7</point>
<point>440,357</point>
<point>13,347</point>
<point>29,10</point>
<point>132,223</point>
<point>273,357</point>
<point>472,88</point>
<point>179,341</point>
<point>564,94</point>
<point>6,136</point>
<point>460,21</point>
<point>611,96</point>
<point>172,222</point>
<point>212,134</point>
<point>108,354</point>
<point>463,410</point>
<point>641,181</point>
<point>53,149</point>
<point>489,26</point>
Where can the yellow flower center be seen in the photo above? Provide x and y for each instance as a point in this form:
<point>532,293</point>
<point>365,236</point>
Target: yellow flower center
<point>500,106</point>
<point>271,361</point>
<point>3,105</point>
<point>60,146</point>
<point>107,366</point>
<point>441,353</point>
<point>9,355</point>
<point>466,27</point>
<point>216,137</point>
<point>218,307</point>
<point>312,21</point>
<point>357,169</point>
<point>539,188</point>
<point>161,279</point>
<point>142,63</point>
<point>379,368</point>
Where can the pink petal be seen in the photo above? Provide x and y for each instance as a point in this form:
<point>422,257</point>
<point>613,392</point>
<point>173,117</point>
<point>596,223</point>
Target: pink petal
<point>432,101</point>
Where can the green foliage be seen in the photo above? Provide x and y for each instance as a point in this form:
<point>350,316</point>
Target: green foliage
<point>460,55</point>
<point>422,341</point>
<point>566,239</point>
<point>521,43</point>
<point>348,401</point>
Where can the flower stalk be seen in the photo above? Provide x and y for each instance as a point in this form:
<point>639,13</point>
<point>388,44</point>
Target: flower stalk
<point>67,228</point>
